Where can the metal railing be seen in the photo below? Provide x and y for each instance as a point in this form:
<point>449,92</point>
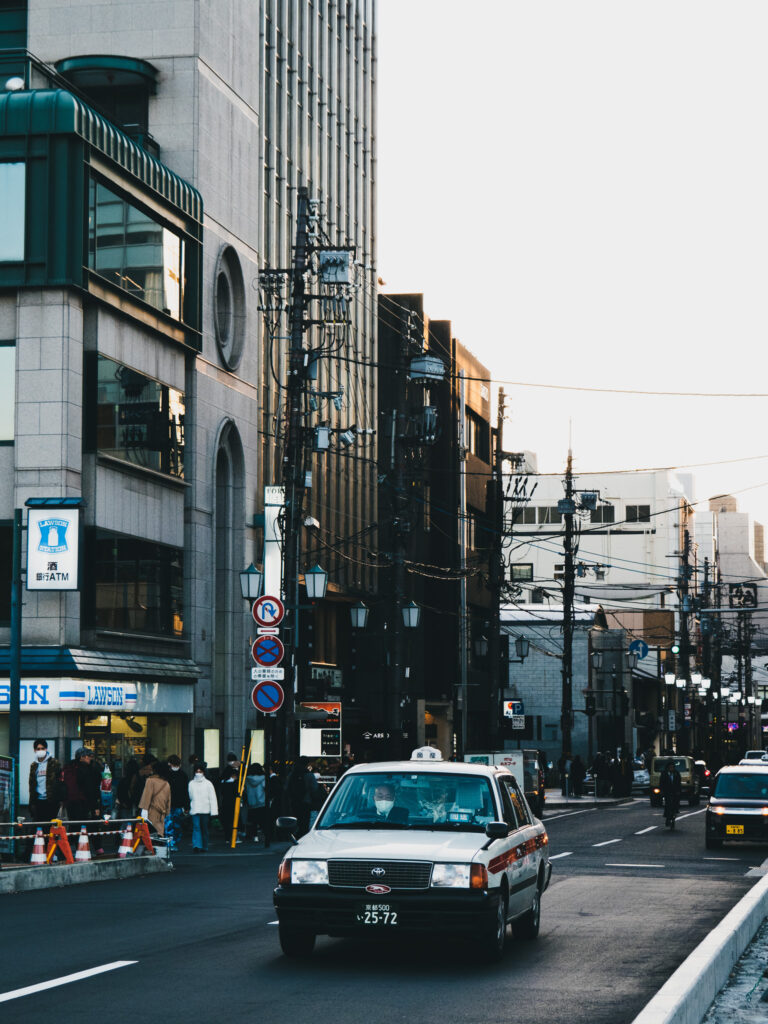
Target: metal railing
<point>105,838</point>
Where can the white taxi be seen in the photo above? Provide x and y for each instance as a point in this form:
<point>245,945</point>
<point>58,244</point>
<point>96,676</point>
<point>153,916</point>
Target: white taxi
<point>411,846</point>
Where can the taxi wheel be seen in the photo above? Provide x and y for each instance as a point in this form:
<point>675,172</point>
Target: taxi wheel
<point>527,926</point>
<point>295,942</point>
<point>494,935</point>
<point>711,843</point>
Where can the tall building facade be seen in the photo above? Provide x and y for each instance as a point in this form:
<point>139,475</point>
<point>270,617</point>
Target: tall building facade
<point>149,162</point>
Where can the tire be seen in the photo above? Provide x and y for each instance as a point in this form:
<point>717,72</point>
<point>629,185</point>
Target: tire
<point>711,842</point>
<point>494,935</point>
<point>655,802</point>
<point>296,942</point>
<point>527,926</point>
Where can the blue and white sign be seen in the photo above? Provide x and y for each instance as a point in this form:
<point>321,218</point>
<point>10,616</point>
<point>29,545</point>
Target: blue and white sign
<point>53,548</point>
<point>640,648</point>
<point>100,695</point>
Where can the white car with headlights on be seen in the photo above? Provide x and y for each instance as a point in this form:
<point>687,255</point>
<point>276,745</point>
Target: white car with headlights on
<point>416,846</point>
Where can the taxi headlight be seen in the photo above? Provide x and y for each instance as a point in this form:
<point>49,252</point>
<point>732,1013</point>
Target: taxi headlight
<point>309,872</point>
<point>450,876</point>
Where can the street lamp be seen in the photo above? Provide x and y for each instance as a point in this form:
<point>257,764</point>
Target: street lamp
<point>597,659</point>
<point>358,614</point>
<point>250,582</point>
<point>316,582</point>
<point>481,646</point>
<point>631,660</point>
<point>522,644</point>
<point>411,615</point>
<point>669,678</point>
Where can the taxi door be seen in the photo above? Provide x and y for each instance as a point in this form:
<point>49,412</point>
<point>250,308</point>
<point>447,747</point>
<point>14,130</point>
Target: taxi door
<point>526,850</point>
<point>510,861</point>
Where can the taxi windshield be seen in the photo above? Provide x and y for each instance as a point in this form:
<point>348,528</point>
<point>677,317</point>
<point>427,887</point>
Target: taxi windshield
<point>410,800</point>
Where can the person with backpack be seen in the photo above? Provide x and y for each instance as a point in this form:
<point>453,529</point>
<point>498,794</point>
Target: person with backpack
<point>82,779</point>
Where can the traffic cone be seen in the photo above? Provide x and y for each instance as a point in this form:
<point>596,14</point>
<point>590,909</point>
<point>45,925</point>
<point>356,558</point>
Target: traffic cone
<point>83,847</point>
<point>38,850</point>
<point>126,846</point>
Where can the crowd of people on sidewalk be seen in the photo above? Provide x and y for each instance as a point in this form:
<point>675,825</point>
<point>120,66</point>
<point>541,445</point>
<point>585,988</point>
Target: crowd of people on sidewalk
<point>611,774</point>
<point>175,802</point>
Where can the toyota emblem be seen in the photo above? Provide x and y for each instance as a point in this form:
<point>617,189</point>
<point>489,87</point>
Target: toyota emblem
<point>378,872</point>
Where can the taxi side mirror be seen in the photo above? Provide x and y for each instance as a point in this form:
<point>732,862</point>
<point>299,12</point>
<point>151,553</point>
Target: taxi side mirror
<point>289,824</point>
<point>497,830</point>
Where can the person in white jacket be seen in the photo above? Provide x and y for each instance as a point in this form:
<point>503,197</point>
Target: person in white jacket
<point>202,804</point>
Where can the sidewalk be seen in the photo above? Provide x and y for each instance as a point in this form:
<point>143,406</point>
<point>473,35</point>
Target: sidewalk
<point>556,802</point>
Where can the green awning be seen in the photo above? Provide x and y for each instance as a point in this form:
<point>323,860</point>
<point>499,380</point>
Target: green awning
<point>58,112</point>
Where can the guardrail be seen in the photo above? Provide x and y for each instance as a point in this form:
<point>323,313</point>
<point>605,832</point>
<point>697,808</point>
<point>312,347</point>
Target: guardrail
<point>46,843</point>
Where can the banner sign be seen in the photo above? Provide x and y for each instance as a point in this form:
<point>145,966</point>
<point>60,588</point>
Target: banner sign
<point>6,800</point>
<point>53,548</point>
<point>100,695</point>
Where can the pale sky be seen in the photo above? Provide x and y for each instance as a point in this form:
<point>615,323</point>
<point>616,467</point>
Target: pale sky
<point>581,186</point>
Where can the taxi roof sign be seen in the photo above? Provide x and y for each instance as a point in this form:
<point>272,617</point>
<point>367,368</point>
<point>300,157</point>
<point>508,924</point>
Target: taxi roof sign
<point>426,754</point>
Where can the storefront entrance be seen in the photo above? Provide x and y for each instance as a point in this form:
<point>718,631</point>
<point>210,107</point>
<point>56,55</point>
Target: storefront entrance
<point>118,737</point>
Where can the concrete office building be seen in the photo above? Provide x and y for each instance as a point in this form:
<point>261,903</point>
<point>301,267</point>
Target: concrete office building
<point>149,156</point>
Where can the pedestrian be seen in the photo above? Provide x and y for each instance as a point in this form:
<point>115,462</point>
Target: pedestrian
<point>106,793</point>
<point>578,771</point>
<point>256,802</point>
<point>564,767</point>
<point>46,789</point>
<point>603,773</point>
<point>228,781</point>
<point>82,779</point>
<point>129,790</point>
<point>155,802</point>
<point>202,804</point>
<point>305,794</point>
<point>179,784</point>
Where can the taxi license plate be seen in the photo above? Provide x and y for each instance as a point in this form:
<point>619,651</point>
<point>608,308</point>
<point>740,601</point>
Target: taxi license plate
<point>377,914</point>
<point>734,830</point>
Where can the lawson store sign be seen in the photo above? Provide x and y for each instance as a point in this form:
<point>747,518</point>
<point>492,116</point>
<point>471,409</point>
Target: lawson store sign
<point>96,695</point>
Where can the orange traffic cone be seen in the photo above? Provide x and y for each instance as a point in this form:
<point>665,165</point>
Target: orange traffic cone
<point>38,850</point>
<point>83,847</point>
<point>126,846</point>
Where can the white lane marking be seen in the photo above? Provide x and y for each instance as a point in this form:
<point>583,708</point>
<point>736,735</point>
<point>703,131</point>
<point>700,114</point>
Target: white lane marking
<point>277,922</point>
<point>690,814</point>
<point>634,865</point>
<point>644,830</point>
<point>568,814</point>
<point>64,980</point>
<point>606,843</point>
<point>555,857</point>
<point>722,858</point>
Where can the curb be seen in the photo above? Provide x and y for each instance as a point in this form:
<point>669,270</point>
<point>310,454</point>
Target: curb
<point>55,876</point>
<point>687,995</point>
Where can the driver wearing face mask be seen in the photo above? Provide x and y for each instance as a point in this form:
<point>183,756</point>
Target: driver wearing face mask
<point>385,807</point>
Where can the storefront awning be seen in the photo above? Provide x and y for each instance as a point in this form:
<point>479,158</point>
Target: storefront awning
<point>79,661</point>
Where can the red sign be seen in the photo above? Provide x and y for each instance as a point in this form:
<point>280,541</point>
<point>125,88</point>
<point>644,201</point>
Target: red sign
<point>331,708</point>
<point>268,611</point>
<point>267,696</point>
<point>267,650</point>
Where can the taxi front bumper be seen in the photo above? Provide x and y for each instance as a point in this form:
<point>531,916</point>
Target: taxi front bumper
<point>331,911</point>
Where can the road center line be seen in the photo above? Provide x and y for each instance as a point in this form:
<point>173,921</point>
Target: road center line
<point>690,814</point>
<point>644,830</point>
<point>634,865</point>
<point>607,842</point>
<point>64,980</point>
<point>555,856</point>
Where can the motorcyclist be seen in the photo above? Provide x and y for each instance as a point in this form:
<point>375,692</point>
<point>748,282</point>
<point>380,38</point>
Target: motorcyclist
<point>670,785</point>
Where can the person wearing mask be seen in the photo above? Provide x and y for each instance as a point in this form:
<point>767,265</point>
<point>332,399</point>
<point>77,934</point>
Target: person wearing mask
<point>155,801</point>
<point>179,783</point>
<point>256,801</point>
<point>202,804</point>
<point>82,779</point>
<point>46,789</point>
<point>384,807</point>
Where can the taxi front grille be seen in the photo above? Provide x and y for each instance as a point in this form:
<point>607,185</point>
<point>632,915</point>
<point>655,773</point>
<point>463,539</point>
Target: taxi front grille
<point>400,874</point>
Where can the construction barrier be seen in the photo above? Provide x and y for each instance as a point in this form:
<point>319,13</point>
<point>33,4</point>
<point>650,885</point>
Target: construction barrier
<point>50,841</point>
<point>38,850</point>
<point>83,847</point>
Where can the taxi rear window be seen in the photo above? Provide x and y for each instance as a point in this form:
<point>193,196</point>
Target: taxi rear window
<point>742,786</point>
<point>410,800</point>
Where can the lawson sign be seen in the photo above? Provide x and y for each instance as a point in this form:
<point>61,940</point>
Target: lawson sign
<point>97,695</point>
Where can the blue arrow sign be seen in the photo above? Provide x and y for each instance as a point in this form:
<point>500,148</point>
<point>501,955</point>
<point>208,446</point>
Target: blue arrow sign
<point>640,648</point>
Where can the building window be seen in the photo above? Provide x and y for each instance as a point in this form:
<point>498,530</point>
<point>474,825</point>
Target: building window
<point>133,251</point>
<point>137,419</point>
<point>524,516</point>
<point>522,572</point>
<point>548,514</point>
<point>229,307</point>
<point>477,439</point>
<point>603,514</point>
<point>638,514</point>
<point>134,585</point>
<point>13,182</point>
<point>7,390</point>
<point>6,571</point>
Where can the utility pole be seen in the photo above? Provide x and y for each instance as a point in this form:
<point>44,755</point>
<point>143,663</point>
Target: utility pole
<point>463,623</point>
<point>293,464</point>
<point>568,596</point>
<point>496,570</point>
<point>14,708</point>
<point>685,639</point>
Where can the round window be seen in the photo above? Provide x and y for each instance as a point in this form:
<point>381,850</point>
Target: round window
<point>229,307</point>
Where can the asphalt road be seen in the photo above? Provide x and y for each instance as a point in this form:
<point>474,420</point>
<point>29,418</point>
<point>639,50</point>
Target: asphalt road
<point>628,902</point>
